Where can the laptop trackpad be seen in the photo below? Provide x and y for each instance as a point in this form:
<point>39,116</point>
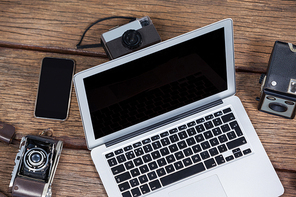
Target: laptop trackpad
<point>208,187</point>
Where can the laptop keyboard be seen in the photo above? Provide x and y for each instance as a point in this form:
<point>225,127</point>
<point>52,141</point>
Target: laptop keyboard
<point>178,153</point>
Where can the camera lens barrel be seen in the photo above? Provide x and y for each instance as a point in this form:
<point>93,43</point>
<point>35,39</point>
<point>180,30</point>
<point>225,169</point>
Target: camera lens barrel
<point>131,39</point>
<point>36,159</point>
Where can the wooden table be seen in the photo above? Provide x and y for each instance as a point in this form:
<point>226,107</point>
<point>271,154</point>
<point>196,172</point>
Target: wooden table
<point>31,30</point>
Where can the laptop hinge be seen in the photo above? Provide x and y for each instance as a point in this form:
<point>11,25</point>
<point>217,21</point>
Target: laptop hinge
<point>163,123</point>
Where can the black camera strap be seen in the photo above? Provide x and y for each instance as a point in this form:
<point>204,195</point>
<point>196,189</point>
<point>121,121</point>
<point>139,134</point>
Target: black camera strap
<point>79,46</point>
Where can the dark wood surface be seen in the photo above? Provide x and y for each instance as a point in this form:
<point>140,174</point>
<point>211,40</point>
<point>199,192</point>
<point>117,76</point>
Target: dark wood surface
<point>31,30</point>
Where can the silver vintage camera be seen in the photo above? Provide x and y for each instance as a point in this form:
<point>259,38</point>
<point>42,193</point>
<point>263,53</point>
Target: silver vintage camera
<point>130,37</point>
<point>278,89</point>
<point>35,166</point>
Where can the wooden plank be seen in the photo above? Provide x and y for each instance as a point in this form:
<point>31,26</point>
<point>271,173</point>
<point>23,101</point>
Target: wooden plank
<point>19,72</point>
<point>77,176</point>
<point>257,24</point>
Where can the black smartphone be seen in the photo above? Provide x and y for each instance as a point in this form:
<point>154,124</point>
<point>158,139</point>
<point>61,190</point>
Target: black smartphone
<point>54,90</point>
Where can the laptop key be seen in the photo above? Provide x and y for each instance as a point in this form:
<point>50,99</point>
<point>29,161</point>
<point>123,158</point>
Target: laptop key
<point>182,135</point>
<point>156,145</point>
<point>147,148</point>
<point>134,182</point>
<point>122,177</point>
<point>155,154</point>
<point>201,120</point>
<point>161,172</point>
<point>152,175</point>
<point>208,125</point>
<point>225,128</point>
<point>137,144</point>
<point>117,169</point>
<point>228,117</point>
<point>210,163</point>
<point>229,158</point>
<point>209,117</point>
<point>112,162</point>
<point>173,131</point>
<point>165,141</point>
<point>128,148</point>
<point>135,172</point>
<point>174,138</point>
<point>146,141</point>
<point>220,159</point>
<point>182,127</point>
<point>164,134</point>
<point>170,168</point>
<point>154,185</point>
<point>191,131</point>
<point>126,194</point>
<point>129,165</point>
<point>121,158</point>
<point>164,151</point>
<point>145,189</point>
<point>152,165</point>
<point>178,165</point>
<point>225,111</point>
<point>219,113</point>
<point>109,155</point>
<point>147,158</point>
<point>144,169</point>
<point>117,152</point>
<point>156,137</point>
<point>237,142</point>
<point>182,174</point>
<point>143,179</point>
<point>234,125</point>
<point>139,151</point>
<point>173,148</point>
<point>136,192</point>
<point>124,186</point>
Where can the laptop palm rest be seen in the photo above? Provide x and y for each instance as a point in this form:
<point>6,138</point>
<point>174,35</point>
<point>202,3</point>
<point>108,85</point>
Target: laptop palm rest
<point>202,188</point>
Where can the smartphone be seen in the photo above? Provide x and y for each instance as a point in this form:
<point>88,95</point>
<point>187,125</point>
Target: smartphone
<point>54,89</point>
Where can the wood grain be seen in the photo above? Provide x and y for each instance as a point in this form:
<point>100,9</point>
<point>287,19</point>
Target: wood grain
<point>31,30</point>
<point>257,24</point>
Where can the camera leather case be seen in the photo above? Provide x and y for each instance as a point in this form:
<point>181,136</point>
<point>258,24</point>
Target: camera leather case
<point>278,90</point>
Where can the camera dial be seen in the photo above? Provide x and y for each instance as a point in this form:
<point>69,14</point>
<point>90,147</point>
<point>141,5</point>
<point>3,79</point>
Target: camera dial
<point>36,159</point>
<point>131,39</point>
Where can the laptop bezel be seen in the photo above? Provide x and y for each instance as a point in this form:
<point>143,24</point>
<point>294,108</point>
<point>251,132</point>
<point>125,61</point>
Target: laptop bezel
<point>227,24</point>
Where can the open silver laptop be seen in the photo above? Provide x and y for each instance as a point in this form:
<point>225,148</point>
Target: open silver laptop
<point>164,121</point>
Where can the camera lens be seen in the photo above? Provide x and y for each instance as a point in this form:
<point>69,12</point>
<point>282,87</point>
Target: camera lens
<point>278,107</point>
<point>131,39</point>
<point>36,157</point>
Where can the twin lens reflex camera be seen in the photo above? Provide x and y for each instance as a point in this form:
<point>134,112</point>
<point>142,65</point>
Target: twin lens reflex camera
<point>278,89</point>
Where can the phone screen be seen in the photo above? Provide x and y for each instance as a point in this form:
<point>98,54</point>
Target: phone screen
<point>54,91</point>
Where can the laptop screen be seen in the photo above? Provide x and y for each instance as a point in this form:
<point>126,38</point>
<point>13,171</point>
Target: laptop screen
<point>158,83</point>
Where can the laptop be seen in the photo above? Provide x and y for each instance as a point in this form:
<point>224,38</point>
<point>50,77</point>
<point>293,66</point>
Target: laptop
<point>164,121</point>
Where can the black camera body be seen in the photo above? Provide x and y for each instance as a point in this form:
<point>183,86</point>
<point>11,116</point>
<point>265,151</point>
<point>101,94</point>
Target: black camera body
<point>278,89</point>
<point>125,39</point>
<point>35,166</point>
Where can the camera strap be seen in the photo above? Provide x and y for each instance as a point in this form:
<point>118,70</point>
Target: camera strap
<point>79,46</point>
<point>7,133</point>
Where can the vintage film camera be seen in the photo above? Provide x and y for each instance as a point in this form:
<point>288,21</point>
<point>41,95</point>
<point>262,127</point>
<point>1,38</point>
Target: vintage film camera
<point>130,37</point>
<point>278,89</point>
<point>35,166</point>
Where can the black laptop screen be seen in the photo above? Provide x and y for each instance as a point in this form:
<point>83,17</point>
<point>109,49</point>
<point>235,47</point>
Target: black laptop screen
<point>158,83</point>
